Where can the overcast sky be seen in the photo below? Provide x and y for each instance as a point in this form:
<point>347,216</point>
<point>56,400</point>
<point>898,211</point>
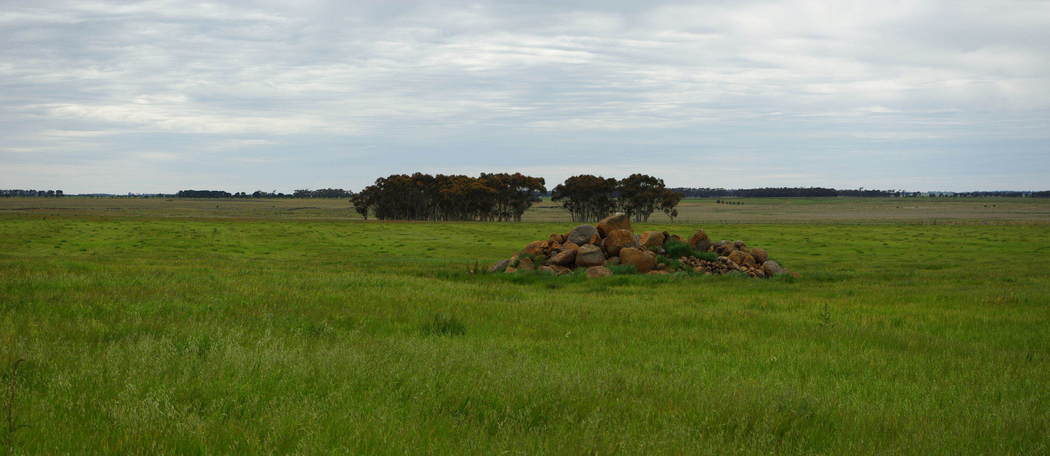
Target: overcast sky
<point>158,96</point>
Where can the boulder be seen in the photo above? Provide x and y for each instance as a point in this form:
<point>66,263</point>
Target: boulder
<point>525,264</point>
<point>772,268</point>
<point>653,239</point>
<point>535,248</point>
<point>582,234</point>
<point>499,266</point>
<point>589,255</point>
<point>742,258</point>
<point>612,261</point>
<point>739,245</point>
<point>596,239</point>
<point>675,237</point>
<point>566,257</point>
<point>760,254</point>
<point>617,221</point>
<point>559,238</point>
<point>642,260</point>
<point>569,246</point>
<point>724,247</point>
<point>555,270</point>
<point>559,270</point>
<point>700,242</point>
<point>598,271</point>
<point>618,239</point>
<point>729,264</point>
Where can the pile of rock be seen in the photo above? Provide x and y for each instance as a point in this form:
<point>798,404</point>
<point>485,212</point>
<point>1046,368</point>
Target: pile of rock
<point>600,248</point>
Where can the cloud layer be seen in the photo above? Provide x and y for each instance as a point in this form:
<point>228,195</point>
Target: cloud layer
<point>157,96</point>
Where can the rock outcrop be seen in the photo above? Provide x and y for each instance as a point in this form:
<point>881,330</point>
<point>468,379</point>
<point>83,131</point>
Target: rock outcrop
<point>610,247</point>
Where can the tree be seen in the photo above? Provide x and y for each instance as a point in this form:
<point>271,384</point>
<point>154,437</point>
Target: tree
<point>587,197</point>
<point>362,201</point>
<point>515,193</point>
<point>590,198</point>
<point>639,195</point>
<point>669,200</point>
<point>501,197</point>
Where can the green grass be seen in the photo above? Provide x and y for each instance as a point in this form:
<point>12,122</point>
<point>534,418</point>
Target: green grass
<point>190,336</point>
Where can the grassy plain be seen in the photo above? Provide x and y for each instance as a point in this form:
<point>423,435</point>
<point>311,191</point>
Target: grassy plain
<point>234,333</point>
<point>707,211</point>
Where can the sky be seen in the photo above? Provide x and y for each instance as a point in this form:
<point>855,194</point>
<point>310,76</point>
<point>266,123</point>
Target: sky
<point>158,96</point>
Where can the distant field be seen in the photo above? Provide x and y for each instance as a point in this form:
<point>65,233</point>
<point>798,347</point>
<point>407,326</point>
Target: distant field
<point>169,327</point>
<point>751,210</point>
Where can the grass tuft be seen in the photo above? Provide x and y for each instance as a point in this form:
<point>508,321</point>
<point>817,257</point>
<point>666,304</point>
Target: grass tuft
<point>443,324</point>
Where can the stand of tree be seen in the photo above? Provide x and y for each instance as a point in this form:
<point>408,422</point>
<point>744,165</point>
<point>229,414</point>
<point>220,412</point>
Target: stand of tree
<point>590,198</point>
<point>490,197</point>
<point>31,193</point>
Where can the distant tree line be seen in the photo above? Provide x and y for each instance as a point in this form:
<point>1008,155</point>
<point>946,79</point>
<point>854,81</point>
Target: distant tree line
<point>1004,193</point>
<point>31,193</point>
<point>321,193</point>
<point>775,192</point>
<point>590,198</point>
<point>489,197</point>
<point>586,197</point>
<point>203,194</point>
<point>811,192</point>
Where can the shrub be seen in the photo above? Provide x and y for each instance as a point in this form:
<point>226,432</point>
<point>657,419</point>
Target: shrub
<point>678,249</point>
<point>619,269</point>
<point>671,263</point>
<point>708,256</point>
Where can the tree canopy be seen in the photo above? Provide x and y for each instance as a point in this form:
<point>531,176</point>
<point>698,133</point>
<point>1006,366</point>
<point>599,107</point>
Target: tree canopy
<point>590,198</point>
<point>490,197</point>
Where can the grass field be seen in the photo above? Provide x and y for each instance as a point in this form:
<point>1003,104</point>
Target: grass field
<point>246,332</point>
<point>707,211</point>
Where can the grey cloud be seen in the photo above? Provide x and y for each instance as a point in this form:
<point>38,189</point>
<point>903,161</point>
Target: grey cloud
<point>278,95</point>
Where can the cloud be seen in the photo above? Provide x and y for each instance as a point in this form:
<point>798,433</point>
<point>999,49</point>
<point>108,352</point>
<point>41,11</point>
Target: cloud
<point>320,93</point>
